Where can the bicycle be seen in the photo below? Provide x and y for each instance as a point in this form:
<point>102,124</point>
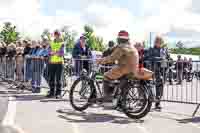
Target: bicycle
<point>126,92</point>
<point>67,72</point>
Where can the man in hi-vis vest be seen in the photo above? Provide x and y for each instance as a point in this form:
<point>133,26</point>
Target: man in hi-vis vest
<point>56,60</point>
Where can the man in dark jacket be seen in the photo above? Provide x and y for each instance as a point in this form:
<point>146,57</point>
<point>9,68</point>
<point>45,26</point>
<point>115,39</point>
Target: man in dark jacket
<point>179,69</point>
<point>106,53</point>
<point>3,51</point>
<point>109,50</point>
<point>170,72</point>
<point>82,55</point>
<point>27,48</point>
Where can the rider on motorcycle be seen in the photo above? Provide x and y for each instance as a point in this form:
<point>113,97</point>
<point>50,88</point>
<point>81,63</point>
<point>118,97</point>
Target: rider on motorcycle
<point>127,58</point>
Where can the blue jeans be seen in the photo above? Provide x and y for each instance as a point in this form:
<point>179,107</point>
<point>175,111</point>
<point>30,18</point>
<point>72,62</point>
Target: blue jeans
<point>10,69</point>
<point>28,70</point>
<point>38,68</point>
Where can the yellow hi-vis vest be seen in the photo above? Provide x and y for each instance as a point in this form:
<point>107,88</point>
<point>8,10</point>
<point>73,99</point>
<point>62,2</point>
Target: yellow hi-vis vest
<point>55,47</point>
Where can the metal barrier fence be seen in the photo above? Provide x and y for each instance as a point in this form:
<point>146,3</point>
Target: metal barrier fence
<point>35,71</point>
<point>5,71</point>
<point>180,80</point>
<point>181,84</point>
<point>27,73</point>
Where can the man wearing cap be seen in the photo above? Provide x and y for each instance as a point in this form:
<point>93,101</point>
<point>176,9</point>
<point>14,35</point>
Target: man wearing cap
<point>56,60</point>
<point>81,53</point>
<point>127,57</point>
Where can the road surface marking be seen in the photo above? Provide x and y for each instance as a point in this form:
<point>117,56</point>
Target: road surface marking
<point>75,127</point>
<point>143,129</point>
<point>179,116</point>
<point>11,112</point>
<point>9,119</point>
<point>194,125</point>
<point>18,129</point>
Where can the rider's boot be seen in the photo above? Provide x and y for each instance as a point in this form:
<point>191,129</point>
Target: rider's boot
<point>158,106</point>
<point>107,96</point>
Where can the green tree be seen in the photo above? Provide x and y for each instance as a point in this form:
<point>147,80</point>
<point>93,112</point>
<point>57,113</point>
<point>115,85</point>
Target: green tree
<point>180,45</point>
<point>46,34</point>
<point>88,31</point>
<point>9,34</point>
<point>180,49</point>
<point>94,42</point>
<point>165,45</point>
<point>69,38</point>
<point>99,44</point>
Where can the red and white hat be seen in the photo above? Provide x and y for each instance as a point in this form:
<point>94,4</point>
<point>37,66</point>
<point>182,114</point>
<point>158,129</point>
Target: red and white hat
<point>123,35</point>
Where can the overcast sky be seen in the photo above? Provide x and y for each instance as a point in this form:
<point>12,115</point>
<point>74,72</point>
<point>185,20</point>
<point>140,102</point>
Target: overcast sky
<point>175,19</point>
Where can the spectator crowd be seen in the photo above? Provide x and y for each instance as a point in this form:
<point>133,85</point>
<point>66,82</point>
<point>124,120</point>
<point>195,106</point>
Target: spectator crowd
<point>29,60</point>
<point>24,61</point>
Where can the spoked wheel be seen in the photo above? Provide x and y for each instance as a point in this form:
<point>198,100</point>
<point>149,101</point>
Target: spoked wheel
<point>80,93</point>
<point>190,77</point>
<point>65,80</point>
<point>136,103</point>
<point>69,70</point>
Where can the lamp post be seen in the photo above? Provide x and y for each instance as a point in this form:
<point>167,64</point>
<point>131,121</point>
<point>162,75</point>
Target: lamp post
<point>150,39</point>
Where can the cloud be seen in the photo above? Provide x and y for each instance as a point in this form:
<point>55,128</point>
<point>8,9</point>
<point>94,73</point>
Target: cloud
<point>36,25</point>
<point>184,33</point>
<point>19,8</point>
<point>108,20</point>
<point>191,44</point>
<point>26,15</point>
<point>195,6</point>
<point>175,20</point>
<point>6,3</point>
<point>190,38</point>
<point>171,18</point>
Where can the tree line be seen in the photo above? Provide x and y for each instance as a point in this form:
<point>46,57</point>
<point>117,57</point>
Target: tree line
<point>9,34</point>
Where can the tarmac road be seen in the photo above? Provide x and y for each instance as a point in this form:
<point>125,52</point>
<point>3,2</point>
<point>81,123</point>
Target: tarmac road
<point>36,114</point>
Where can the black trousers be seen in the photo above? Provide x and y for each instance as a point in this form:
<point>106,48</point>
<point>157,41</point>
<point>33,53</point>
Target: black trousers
<point>55,82</point>
<point>80,65</point>
<point>156,68</point>
<point>159,85</point>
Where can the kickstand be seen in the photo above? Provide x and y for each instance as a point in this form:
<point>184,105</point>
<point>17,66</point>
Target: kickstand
<point>65,91</point>
<point>196,110</point>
